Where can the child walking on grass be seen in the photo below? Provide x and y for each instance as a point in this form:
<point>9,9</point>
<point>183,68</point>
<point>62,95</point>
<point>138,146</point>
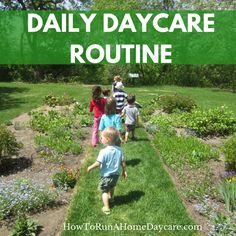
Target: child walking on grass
<point>131,114</point>
<point>97,105</point>
<point>116,79</point>
<point>120,97</point>
<point>110,160</point>
<point>110,118</point>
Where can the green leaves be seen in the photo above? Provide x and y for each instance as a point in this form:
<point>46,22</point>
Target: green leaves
<point>216,121</point>
<point>8,143</point>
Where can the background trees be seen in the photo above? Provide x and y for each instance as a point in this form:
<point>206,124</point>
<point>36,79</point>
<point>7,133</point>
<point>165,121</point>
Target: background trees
<point>223,76</point>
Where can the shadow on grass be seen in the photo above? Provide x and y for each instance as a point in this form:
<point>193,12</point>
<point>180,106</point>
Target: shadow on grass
<point>140,139</point>
<point>132,196</point>
<point>7,101</point>
<point>133,162</point>
<point>12,166</point>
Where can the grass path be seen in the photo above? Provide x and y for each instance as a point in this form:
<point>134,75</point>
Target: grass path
<point>148,196</point>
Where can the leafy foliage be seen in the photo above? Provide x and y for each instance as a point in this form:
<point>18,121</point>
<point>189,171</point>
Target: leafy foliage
<point>228,193</point>
<point>24,227</point>
<point>8,143</point>
<point>163,123</point>
<point>215,121</point>
<point>63,100</point>
<point>21,196</point>
<point>179,151</point>
<point>65,178</point>
<point>223,226</point>
<point>175,103</point>
<point>229,149</point>
<point>44,122</point>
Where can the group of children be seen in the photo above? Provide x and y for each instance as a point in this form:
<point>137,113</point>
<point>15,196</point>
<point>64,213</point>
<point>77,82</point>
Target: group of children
<point>108,113</point>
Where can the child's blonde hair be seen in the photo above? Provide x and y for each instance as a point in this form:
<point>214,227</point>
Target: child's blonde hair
<point>117,78</point>
<point>112,134</point>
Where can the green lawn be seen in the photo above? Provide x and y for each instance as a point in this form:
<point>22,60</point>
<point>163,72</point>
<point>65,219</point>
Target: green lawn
<point>17,98</point>
<point>148,196</point>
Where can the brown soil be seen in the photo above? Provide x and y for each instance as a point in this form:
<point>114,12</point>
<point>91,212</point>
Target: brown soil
<point>28,165</point>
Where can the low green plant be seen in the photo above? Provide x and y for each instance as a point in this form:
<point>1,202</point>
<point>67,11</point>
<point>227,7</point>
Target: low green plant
<point>179,151</point>
<point>229,149</point>
<point>53,100</point>
<point>49,155</point>
<point>8,143</point>
<point>146,113</point>
<point>216,121</point>
<point>163,124</point>
<point>65,178</point>
<point>227,191</point>
<point>80,109</point>
<point>45,122</point>
<point>24,227</point>
<point>176,103</point>
<point>21,196</point>
<point>85,120</point>
<point>60,144</point>
<point>222,226</point>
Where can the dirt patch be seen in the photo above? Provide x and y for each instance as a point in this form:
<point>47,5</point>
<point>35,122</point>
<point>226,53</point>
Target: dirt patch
<point>27,165</point>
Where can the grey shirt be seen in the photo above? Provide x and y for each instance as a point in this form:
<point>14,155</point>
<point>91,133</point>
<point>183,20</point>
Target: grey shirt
<point>131,112</point>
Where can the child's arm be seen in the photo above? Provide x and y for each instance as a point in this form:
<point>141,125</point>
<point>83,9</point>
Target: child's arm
<point>91,106</point>
<point>93,166</point>
<point>124,173</point>
<point>137,120</point>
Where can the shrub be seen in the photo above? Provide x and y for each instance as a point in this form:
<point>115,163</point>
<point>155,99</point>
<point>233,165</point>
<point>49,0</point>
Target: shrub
<point>229,149</point>
<point>215,121</point>
<point>21,196</point>
<point>175,103</point>
<point>228,193</point>
<point>65,178</point>
<point>63,100</point>
<point>8,143</point>
<point>24,227</point>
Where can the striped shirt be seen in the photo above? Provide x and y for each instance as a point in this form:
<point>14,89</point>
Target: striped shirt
<point>120,97</point>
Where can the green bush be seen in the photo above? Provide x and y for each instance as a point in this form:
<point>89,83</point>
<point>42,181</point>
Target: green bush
<point>65,178</point>
<point>176,103</point>
<point>229,149</point>
<point>215,121</point>
<point>24,227</point>
<point>53,100</point>
<point>8,143</point>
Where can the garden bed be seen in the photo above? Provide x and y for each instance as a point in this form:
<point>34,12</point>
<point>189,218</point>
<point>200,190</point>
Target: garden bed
<point>29,165</point>
<point>192,146</point>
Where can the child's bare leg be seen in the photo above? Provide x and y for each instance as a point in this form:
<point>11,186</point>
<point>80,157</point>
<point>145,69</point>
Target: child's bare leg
<point>126,136</point>
<point>112,192</point>
<point>133,133</point>
<point>105,199</point>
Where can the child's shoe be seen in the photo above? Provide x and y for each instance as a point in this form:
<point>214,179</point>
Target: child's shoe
<point>106,211</point>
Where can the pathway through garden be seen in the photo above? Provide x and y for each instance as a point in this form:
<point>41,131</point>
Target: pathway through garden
<point>148,197</point>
